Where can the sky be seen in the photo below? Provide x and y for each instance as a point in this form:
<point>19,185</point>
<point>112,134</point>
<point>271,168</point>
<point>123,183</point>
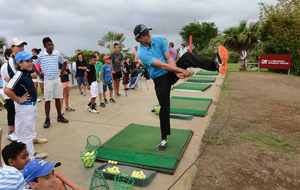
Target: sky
<point>78,24</point>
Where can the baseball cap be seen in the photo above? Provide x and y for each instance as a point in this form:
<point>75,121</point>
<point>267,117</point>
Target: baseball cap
<point>38,50</point>
<point>38,168</point>
<point>17,42</point>
<point>106,57</point>
<point>23,56</point>
<point>140,29</point>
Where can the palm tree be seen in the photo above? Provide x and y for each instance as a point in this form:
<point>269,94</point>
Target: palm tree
<point>242,39</point>
<point>110,38</point>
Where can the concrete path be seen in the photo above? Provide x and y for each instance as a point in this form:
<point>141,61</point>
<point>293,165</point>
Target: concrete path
<point>67,141</point>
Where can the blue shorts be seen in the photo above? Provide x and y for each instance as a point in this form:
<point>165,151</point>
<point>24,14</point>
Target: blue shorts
<point>108,85</point>
<point>80,81</point>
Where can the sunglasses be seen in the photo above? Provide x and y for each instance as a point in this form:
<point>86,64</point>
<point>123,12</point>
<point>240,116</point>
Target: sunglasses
<point>28,60</point>
<point>146,33</point>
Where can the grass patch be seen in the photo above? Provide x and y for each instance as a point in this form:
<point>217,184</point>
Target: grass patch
<point>213,140</point>
<point>269,141</point>
<point>233,67</point>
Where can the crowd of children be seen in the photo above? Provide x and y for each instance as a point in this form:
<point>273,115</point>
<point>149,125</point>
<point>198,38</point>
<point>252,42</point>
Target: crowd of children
<point>102,75</point>
<point>25,76</point>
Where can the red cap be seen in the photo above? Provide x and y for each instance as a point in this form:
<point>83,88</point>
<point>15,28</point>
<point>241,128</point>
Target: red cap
<point>106,57</point>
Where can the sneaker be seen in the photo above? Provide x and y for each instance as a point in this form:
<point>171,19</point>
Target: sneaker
<point>118,94</point>
<point>102,105</point>
<point>112,100</point>
<point>47,124</point>
<point>69,109</point>
<point>40,141</point>
<point>162,145</point>
<point>62,119</point>
<point>105,101</point>
<point>93,110</point>
<point>12,137</point>
<point>39,100</point>
<point>41,155</point>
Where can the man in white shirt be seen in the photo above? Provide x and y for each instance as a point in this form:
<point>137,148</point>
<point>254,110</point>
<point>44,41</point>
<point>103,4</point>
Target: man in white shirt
<point>51,62</point>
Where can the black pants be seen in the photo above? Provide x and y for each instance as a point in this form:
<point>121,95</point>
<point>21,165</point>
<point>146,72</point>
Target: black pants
<point>10,108</point>
<point>164,83</point>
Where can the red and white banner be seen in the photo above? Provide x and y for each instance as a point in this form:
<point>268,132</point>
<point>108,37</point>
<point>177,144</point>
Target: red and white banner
<point>276,62</point>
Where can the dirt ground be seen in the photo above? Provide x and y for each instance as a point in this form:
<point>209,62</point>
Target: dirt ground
<point>253,140</point>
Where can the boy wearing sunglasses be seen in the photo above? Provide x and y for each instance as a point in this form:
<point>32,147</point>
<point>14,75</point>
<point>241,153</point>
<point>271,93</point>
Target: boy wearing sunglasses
<point>22,91</point>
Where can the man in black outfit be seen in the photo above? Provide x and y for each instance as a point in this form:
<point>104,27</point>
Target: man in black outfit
<point>165,71</point>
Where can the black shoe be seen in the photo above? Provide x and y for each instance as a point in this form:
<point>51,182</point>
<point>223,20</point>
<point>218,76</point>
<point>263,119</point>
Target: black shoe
<point>47,124</point>
<point>102,105</point>
<point>105,101</point>
<point>61,119</point>
<point>112,100</point>
<point>162,145</point>
<point>89,104</point>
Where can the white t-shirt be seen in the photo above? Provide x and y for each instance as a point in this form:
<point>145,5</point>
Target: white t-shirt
<point>4,75</point>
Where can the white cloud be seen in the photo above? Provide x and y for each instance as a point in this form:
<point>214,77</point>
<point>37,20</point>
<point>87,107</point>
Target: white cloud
<point>78,24</point>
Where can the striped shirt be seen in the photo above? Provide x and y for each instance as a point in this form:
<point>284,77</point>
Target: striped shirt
<point>50,64</point>
<point>11,179</point>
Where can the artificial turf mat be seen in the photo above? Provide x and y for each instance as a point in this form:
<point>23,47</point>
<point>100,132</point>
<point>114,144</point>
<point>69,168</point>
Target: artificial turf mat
<point>136,145</point>
<point>190,106</point>
<point>204,72</point>
<point>192,86</point>
<point>202,79</point>
<point>156,110</point>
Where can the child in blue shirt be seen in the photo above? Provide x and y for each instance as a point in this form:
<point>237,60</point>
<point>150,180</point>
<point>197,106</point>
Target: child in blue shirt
<point>107,79</point>
<point>22,91</point>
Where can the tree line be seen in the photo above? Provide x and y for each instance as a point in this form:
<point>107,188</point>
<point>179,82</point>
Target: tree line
<point>277,31</point>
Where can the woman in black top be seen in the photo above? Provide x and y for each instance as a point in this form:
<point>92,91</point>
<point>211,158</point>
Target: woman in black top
<point>65,71</point>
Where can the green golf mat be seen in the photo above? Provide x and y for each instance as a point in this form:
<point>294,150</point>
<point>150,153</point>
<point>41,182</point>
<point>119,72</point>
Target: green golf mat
<point>204,72</point>
<point>192,86</point>
<point>190,106</point>
<point>156,110</point>
<point>136,145</point>
<point>202,79</point>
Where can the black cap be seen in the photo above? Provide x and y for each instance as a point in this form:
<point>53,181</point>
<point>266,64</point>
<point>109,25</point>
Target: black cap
<point>140,29</point>
<point>38,50</point>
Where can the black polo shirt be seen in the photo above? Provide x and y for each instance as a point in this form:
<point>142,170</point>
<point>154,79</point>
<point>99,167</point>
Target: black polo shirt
<point>21,84</point>
<point>91,74</point>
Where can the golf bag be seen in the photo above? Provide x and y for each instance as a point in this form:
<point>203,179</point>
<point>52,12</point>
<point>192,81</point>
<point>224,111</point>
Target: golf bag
<point>135,78</point>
